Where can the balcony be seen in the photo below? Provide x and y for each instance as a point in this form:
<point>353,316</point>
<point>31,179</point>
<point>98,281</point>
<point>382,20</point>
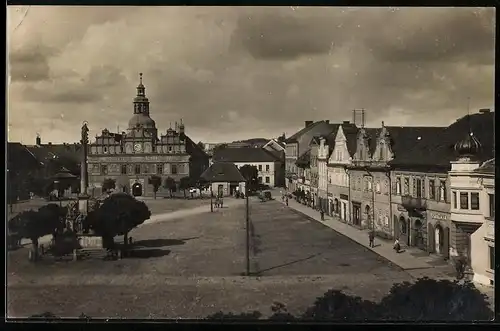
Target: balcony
<point>411,203</point>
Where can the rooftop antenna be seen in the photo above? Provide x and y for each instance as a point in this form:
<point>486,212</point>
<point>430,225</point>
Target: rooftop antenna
<point>468,116</point>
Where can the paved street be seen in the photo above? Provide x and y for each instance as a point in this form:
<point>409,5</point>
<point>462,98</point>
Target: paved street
<point>200,258</point>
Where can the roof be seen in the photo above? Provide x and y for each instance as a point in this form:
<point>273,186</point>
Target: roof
<point>19,157</point>
<point>243,154</point>
<point>487,167</point>
<point>64,174</point>
<point>275,142</point>
<point>222,172</point>
<point>404,139</point>
<point>294,137</point>
<point>351,134</point>
<point>437,147</point>
<point>304,160</point>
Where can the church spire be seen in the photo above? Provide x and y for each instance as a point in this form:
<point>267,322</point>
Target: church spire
<point>141,102</point>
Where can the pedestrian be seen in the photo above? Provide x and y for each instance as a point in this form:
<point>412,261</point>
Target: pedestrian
<point>286,201</point>
<point>371,238</point>
<point>460,267</point>
<point>397,246</point>
<point>322,214</point>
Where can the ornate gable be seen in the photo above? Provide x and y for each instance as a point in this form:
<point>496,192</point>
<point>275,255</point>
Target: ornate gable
<point>340,153</point>
<point>383,150</point>
<point>362,146</point>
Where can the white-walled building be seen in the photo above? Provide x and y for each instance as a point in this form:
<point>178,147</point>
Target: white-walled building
<point>267,163</point>
<point>473,210</point>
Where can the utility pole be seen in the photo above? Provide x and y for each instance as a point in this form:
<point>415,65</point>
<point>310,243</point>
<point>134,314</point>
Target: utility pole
<point>247,226</point>
<point>211,198</point>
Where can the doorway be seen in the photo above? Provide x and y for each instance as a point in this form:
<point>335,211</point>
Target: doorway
<point>356,217</point>
<point>137,190</point>
<point>439,239</point>
<point>404,231</point>
<point>220,190</point>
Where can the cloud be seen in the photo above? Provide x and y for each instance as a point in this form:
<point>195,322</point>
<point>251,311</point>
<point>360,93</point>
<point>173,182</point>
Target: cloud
<point>233,72</point>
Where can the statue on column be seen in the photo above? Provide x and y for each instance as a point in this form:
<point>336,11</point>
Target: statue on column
<point>85,134</point>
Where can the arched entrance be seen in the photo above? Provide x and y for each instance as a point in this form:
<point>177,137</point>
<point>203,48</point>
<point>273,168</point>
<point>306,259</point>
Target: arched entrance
<point>336,206</point>
<point>137,190</point>
<point>368,216</point>
<point>418,234</point>
<point>439,239</point>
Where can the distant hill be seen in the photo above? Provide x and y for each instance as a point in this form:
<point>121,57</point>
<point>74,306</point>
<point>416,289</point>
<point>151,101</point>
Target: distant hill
<point>252,142</point>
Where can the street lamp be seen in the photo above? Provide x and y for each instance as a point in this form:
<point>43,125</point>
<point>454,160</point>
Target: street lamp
<point>247,226</point>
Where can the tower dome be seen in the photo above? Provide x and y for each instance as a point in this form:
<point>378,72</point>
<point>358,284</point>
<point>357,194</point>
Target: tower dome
<point>468,147</point>
<point>141,120</point>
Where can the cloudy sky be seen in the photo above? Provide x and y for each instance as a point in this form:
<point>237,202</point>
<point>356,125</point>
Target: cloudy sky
<point>239,72</point>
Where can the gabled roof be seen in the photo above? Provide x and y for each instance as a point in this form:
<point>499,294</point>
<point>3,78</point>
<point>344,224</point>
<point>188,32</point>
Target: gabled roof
<point>224,172</point>
<point>351,134</point>
<point>436,148</point>
<point>243,154</point>
<point>294,137</point>
<point>275,142</point>
<point>19,157</point>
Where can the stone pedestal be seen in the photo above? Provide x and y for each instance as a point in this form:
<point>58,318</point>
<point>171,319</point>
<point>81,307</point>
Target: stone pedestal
<point>83,203</point>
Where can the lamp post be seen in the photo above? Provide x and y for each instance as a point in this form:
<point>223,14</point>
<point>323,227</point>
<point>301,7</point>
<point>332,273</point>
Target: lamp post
<point>211,196</point>
<point>247,226</point>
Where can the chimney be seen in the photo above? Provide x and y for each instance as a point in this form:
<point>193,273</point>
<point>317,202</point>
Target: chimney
<point>346,122</point>
<point>308,123</point>
<point>38,140</point>
<point>485,111</point>
<point>50,143</point>
<point>327,121</point>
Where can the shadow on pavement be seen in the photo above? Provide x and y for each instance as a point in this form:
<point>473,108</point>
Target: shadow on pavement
<point>148,253</point>
<point>161,242</point>
<point>259,273</point>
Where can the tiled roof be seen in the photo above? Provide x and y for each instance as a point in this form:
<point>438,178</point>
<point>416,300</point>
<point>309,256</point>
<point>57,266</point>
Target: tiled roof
<point>243,154</point>
<point>487,167</point>
<point>436,147</point>
<point>223,172</point>
<point>19,157</point>
<point>405,139</point>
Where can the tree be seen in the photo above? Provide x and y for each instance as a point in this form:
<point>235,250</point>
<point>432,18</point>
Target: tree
<point>185,184</point>
<point>201,145</point>
<point>425,300</point>
<point>118,215</point>
<point>251,174</point>
<point>170,185</point>
<point>156,182</point>
<point>108,184</point>
<point>435,300</point>
<point>35,224</point>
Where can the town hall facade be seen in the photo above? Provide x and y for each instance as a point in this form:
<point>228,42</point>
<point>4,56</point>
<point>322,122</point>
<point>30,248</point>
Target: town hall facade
<point>132,157</point>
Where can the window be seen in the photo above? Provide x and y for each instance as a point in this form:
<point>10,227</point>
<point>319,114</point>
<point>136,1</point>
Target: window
<point>406,186</point>
<point>442,190</point>
<point>105,149</point>
<point>492,257</point>
<point>267,180</point>
<point>260,179</point>
<point>454,198</point>
<point>464,200</point>
<point>418,187</point>
<point>159,169</point>
<point>398,185</point>
<point>377,187</point>
<point>169,148</point>
<point>260,167</point>
<point>368,184</point>
<point>137,169</point>
<point>124,169</point>
<point>491,201</point>
<point>104,169</point>
<point>432,189</point>
<point>173,169</point>
<point>267,167</point>
<point>474,201</point>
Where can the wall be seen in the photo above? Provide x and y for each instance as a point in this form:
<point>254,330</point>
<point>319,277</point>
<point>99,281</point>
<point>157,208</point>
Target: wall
<point>271,173</point>
<point>480,258</point>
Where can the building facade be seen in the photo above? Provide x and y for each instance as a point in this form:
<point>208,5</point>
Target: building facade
<point>297,145</point>
<point>132,157</point>
<point>269,165</point>
<point>473,211</point>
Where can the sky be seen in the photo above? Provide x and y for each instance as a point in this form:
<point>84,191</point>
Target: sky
<point>233,73</point>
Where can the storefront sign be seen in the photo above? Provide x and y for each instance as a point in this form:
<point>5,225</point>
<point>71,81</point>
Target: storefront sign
<point>440,216</point>
<point>344,197</point>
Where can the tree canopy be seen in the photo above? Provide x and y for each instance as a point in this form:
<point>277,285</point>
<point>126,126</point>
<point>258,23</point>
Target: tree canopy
<point>118,214</point>
<point>108,184</point>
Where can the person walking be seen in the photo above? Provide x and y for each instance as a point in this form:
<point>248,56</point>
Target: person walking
<point>371,238</point>
<point>322,214</point>
<point>286,201</point>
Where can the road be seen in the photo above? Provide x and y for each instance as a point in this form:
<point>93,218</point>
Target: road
<point>191,266</point>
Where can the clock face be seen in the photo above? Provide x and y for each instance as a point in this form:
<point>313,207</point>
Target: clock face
<point>137,147</point>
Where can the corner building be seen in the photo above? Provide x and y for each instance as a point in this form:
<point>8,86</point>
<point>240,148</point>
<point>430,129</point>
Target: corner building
<point>132,157</point>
